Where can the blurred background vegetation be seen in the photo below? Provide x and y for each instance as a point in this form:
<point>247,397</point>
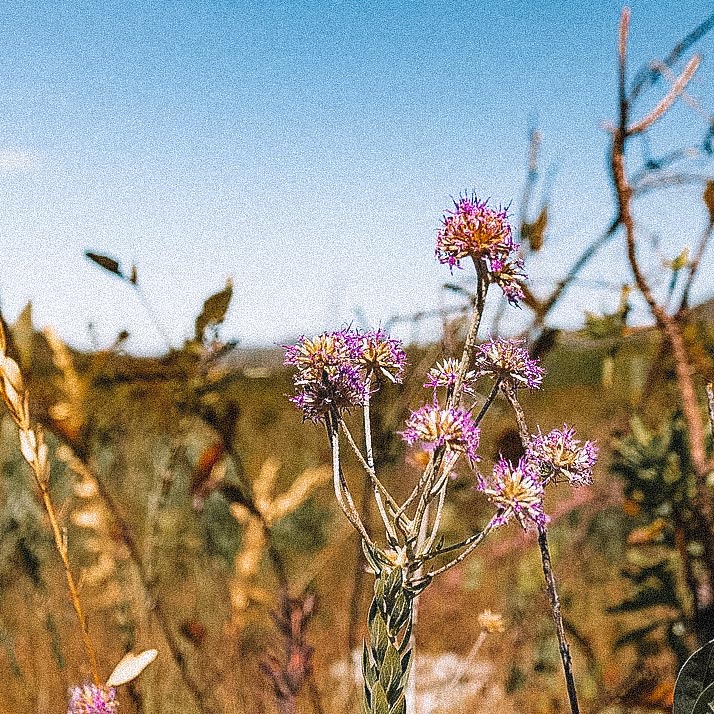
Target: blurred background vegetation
<point>201,519</point>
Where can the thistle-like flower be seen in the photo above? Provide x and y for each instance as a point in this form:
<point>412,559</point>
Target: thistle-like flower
<point>334,370</point>
<point>452,428</point>
<point>507,360</point>
<point>378,354</point>
<point>508,273</point>
<point>327,375</point>
<point>445,373</point>
<point>472,229</point>
<point>91,699</point>
<point>515,491</point>
<point>561,457</point>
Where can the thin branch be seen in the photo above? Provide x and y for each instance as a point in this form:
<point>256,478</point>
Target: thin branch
<point>648,76</point>
<point>473,543</point>
<point>668,100</point>
<point>489,401</point>
<point>558,618</point>
<point>342,493</point>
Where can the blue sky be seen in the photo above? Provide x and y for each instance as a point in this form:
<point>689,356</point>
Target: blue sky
<point>306,149</point>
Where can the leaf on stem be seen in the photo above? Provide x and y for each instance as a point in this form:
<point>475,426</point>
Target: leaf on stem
<point>130,667</point>
<point>214,310</point>
<point>106,262</point>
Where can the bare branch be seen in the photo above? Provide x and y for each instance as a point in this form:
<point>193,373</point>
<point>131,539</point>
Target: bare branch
<point>649,76</point>
<point>676,89</point>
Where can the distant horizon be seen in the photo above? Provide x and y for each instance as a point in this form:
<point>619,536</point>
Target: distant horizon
<point>308,151</point>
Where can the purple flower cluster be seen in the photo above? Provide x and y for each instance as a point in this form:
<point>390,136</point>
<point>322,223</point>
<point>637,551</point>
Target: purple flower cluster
<point>335,369</point>
<point>507,360</point>
<point>445,374</point>
<point>562,457</point>
<point>90,699</point>
<point>474,230</point>
<point>451,428</point>
<point>380,356</point>
<point>516,491</point>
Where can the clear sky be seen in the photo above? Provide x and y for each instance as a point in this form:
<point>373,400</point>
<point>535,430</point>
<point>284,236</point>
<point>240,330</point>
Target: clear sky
<point>307,149</point>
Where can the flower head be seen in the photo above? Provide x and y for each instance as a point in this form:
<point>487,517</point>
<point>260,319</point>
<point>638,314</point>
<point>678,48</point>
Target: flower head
<point>445,374</point>
<point>379,354</point>
<point>507,360</point>
<point>560,456</point>
<point>333,370</point>
<point>515,491</point>
<point>314,355</point>
<point>491,622</point>
<point>452,428</point>
<point>327,375</point>
<point>508,273</point>
<point>472,229</point>
<point>91,699</point>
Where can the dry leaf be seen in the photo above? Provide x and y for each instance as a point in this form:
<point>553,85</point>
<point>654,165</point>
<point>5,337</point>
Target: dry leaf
<point>106,262</point>
<point>130,667</point>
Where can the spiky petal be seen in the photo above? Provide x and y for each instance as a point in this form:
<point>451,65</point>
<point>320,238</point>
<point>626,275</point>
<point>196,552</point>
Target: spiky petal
<point>327,376</point>
<point>91,699</point>
<point>472,229</point>
<point>380,355</point>
<point>452,428</point>
<point>515,491</point>
<point>509,361</point>
<point>445,374</point>
<point>562,457</point>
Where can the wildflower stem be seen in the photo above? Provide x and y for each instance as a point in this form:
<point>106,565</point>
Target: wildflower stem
<point>520,415</point>
<point>40,471</point>
<point>489,401</point>
<point>34,451</point>
<point>557,618</point>
<point>710,402</point>
<point>454,546</point>
<point>437,522</point>
<point>470,543</point>
<point>377,485</point>
<point>342,493</point>
<point>471,336</point>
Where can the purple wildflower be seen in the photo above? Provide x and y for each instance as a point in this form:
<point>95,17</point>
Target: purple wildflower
<point>332,369</point>
<point>444,374</point>
<point>472,229</point>
<point>452,428</point>
<point>560,456</point>
<point>327,376</point>
<point>516,491</point>
<point>507,360</point>
<point>379,354</point>
<point>91,699</point>
<point>507,274</point>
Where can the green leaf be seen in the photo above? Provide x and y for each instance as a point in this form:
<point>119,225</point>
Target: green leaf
<point>400,707</point>
<point>214,310</point>
<point>390,674</point>
<point>380,704</point>
<point>695,676</point>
